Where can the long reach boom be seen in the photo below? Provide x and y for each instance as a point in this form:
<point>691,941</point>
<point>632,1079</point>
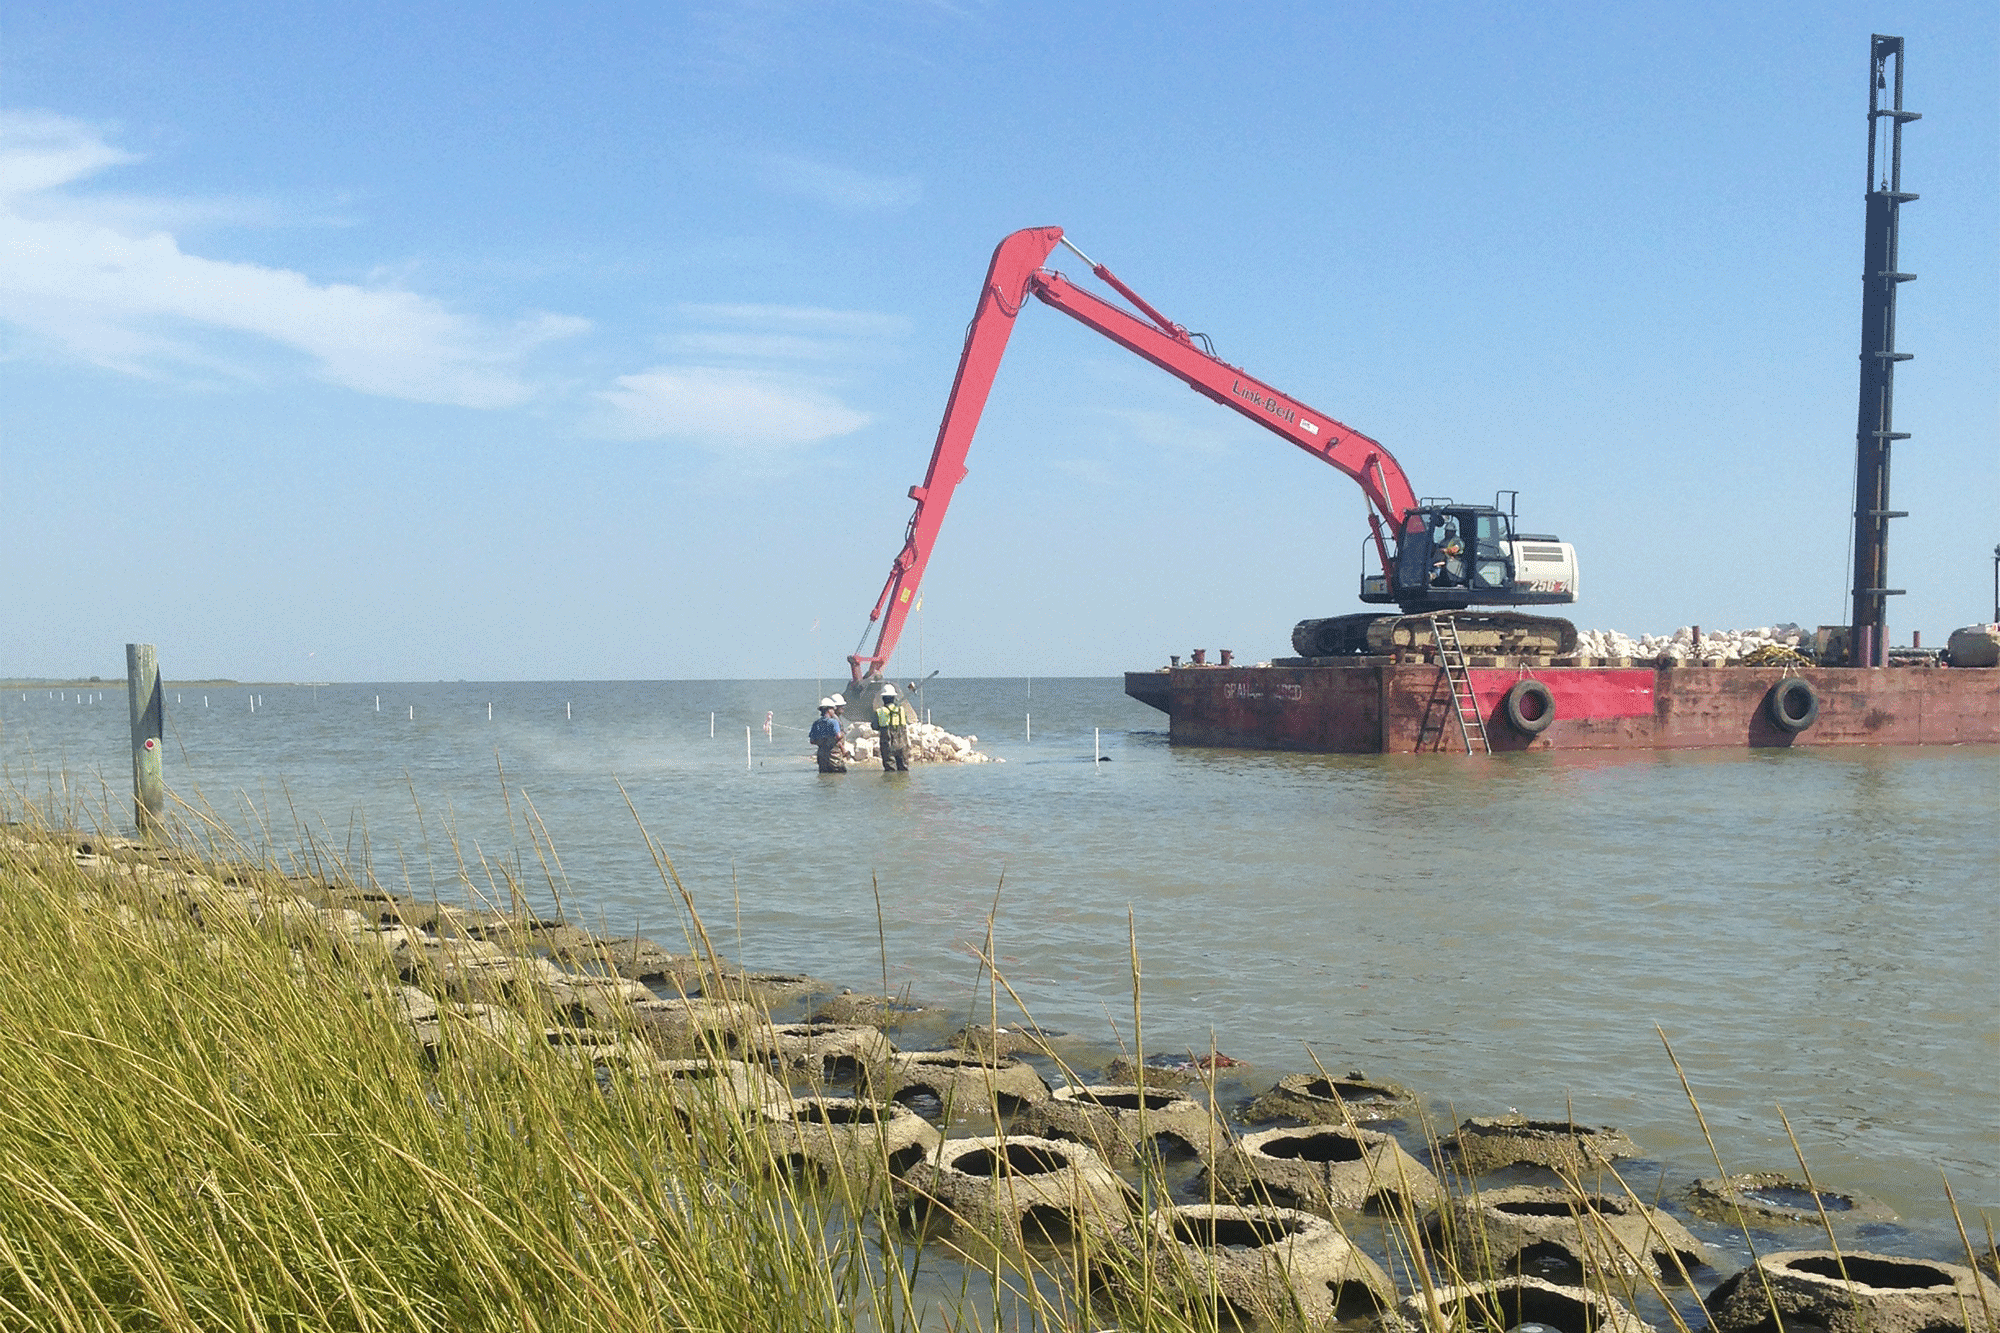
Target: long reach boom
<point>1017,273</point>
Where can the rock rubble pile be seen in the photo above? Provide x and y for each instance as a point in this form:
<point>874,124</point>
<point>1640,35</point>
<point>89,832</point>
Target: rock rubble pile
<point>1726,645</point>
<point>929,744</point>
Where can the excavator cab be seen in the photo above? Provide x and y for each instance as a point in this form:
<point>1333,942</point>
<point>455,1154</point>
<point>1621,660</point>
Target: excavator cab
<point>1450,555</point>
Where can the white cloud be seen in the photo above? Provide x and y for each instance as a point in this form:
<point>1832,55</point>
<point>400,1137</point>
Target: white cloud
<point>759,346</point>
<point>837,187</point>
<point>138,302</point>
<point>130,213</point>
<point>806,319</point>
<point>787,333</point>
<point>39,151</point>
<point>740,388</point>
<point>726,408</point>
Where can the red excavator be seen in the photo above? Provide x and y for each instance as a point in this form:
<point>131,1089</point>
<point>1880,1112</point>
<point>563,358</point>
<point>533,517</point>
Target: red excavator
<point>1437,556</point>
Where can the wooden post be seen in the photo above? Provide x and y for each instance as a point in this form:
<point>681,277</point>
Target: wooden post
<point>142,691</point>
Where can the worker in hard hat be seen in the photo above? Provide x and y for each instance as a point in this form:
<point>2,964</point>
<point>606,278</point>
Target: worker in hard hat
<point>1448,556</point>
<point>892,724</point>
<point>826,739</point>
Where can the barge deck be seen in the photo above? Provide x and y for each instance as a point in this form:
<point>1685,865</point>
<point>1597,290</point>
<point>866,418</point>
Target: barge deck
<point>1383,706</point>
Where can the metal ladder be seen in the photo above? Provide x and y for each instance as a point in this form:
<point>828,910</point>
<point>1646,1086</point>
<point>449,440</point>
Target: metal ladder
<point>1464,703</point>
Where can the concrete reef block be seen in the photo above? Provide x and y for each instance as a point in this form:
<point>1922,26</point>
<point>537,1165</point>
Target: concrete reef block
<point>1019,1187</point>
<point>983,1039</point>
<point>1321,1100</point>
<point>413,1005</point>
<point>1512,1302</point>
<point>1854,1293</point>
<point>847,1136</point>
<point>693,1027</point>
<point>597,1048</point>
<point>427,954</point>
<point>963,1083</point>
<point>769,988</point>
<point>734,1085</point>
<point>530,934</point>
<point>369,941</point>
<point>451,922</point>
<point>1547,1232</point>
<point>1117,1118</point>
<point>1177,1071</point>
<point>1323,1167</point>
<point>1487,1143</point>
<point>636,959</point>
<point>597,999</point>
<point>826,1051</point>
<point>382,908</point>
<point>1772,1196</point>
<point>856,1007</point>
<point>1272,1264</point>
<point>490,1022</point>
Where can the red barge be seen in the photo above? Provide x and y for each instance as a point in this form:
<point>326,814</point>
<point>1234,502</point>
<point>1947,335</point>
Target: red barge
<point>1383,706</point>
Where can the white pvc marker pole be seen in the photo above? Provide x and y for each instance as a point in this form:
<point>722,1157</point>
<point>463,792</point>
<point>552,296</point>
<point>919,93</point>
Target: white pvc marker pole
<point>749,751</point>
<point>1096,746</point>
<point>711,726</point>
<point>489,710</point>
<point>1031,727</point>
<point>413,712</point>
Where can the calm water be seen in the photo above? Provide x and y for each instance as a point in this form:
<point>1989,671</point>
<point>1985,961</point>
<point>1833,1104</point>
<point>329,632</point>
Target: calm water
<point>1816,930</point>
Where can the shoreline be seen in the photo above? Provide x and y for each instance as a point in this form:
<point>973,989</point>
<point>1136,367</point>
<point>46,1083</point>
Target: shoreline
<point>598,991</point>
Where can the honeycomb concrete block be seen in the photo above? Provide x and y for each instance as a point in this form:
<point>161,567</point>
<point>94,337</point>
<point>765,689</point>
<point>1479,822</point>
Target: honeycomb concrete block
<point>634,958</point>
<point>1320,1168</point>
<point>1511,1302</point>
<point>596,999</point>
<point>1277,1265</point>
<point>696,1084</point>
<point>963,1083</point>
<point>985,1039</point>
<point>1319,1099</point>
<point>1564,1236</point>
<point>858,1007</point>
<point>1773,1196</point>
<point>1487,1143</point>
<point>1177,1071</point>
<point>1116,1118</point>
<point>462,1019</point>
<point>693,1027</point>
<point>1018,1186</point>
<point>1855,1293</point>
<point>848,1137</point>
<point>599,1048</point>
<point>766,988</point>
<point>825,1052</point>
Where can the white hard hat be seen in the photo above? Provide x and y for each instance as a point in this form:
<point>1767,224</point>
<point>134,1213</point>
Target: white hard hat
<point>888,691</point>
<point>837,701</point>
<point>826,703</point>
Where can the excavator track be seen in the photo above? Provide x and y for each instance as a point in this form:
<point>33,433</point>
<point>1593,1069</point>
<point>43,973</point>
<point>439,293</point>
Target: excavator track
<point>1480,633</point>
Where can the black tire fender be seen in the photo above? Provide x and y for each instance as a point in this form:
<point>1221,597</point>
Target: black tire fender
<point>1793,704</point>
<point>1530,719</point>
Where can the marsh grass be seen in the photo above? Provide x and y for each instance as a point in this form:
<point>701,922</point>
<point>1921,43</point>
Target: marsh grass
<point>216,1117</point>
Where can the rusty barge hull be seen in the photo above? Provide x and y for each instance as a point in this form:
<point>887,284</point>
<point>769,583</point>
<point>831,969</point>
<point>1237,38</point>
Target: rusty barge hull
<point>1369,706</point>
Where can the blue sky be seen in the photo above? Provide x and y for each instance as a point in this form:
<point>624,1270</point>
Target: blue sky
<point>378,342</point>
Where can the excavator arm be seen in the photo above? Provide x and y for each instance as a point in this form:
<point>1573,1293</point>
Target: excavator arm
<point>1017,273</point>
